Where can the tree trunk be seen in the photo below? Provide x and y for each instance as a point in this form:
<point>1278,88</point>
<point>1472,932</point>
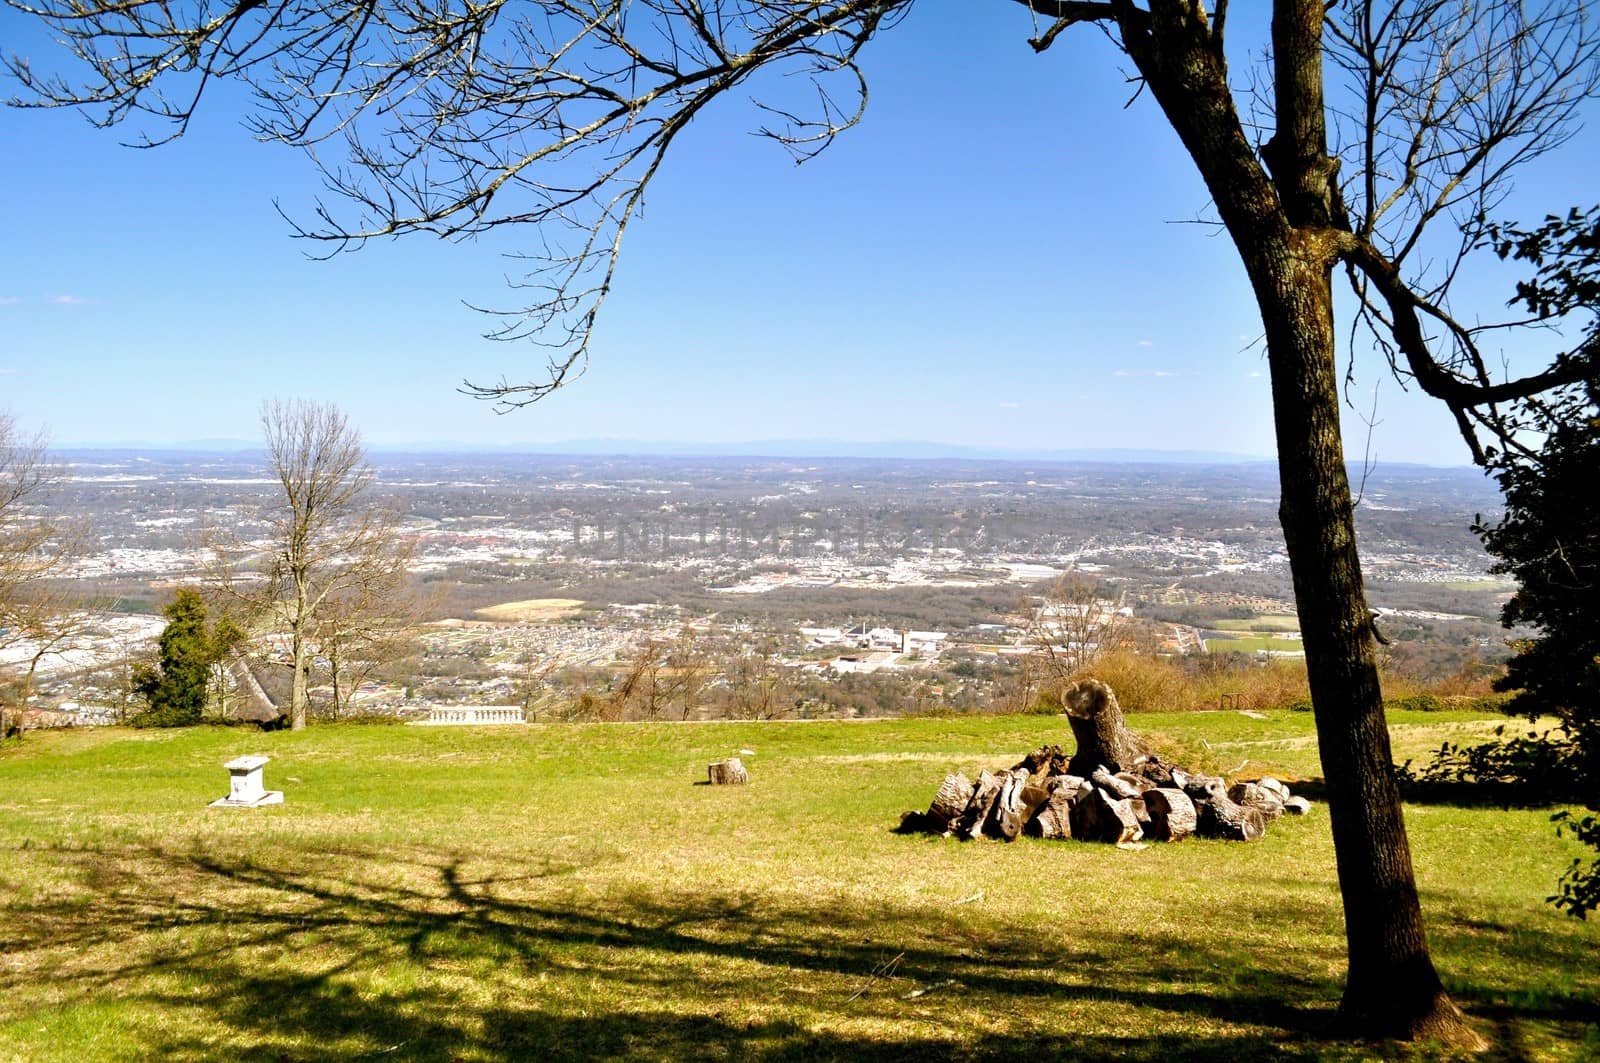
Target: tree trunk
<point>1393,989</point>
<point>1096,719</point>
<point>297,692</point>
<point>1285,227</point>
<point>298,696</point>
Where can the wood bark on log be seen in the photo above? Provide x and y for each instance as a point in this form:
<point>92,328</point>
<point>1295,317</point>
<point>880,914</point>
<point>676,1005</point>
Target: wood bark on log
<point>1101,818</point>
<point>727,772</point>
<point>1253,795</point>
<point>1005,819</point>
<point>1045,761</point>
<point>1219,817</point>
<point>977,810</point>
<point>1172,814</point>
<point>1053,819</point>
<point>955,793</point>
<point>1096,721</point>
<point>1115,785</point>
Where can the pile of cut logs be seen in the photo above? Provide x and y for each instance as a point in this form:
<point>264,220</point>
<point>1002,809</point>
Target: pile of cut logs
<point>1112,789</point>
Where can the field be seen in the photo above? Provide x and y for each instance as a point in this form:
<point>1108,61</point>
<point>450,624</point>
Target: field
<point>1276,622</point>
<point>1254,644</point>
<point>531,609</point>
<point>567,892</point>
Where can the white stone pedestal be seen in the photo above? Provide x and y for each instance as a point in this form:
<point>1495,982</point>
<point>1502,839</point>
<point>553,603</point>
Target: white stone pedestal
<point>245,789</point>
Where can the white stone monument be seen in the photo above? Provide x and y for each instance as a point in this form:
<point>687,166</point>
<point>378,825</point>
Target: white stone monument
<point>244,785</point>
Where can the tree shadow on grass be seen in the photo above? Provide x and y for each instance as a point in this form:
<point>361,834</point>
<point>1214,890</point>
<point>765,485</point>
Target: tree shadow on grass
<point>410,955</point>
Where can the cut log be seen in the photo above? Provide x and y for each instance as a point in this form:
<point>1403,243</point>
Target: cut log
<point>1155,773</point>
<point>977,810</point>
<point>1267,782</point>
<point>1118,787</point>
<point>1100,818</point>
<point>1072,784</point>
<point>727,772</point>
<point>1296,806</point>
<point>1254,795</point>
<point>1219,817</point>
<point>1096,721</point>
<point>1053,819</point>
<point>1172,814</point>
<point>1045,761</point>
<point>1005,818</point>
<point>1202,787</point>
<point>955,793</point>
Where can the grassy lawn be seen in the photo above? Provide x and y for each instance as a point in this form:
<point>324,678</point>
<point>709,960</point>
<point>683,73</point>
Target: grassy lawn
<point>1251,644</point>
<point>566,892</point>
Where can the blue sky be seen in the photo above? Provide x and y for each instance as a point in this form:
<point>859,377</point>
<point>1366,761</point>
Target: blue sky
<point>995,257</point>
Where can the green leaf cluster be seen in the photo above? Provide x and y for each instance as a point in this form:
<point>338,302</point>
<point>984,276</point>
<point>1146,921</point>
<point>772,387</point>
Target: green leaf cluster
<point>178,689</point>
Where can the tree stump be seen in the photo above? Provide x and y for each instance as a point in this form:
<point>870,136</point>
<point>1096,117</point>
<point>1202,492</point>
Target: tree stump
<point>727,772</point>
<point>1172,814</point>
<point>1096,721</point>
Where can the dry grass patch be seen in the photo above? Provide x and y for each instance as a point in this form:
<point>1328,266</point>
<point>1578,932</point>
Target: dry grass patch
<point>531,610</point>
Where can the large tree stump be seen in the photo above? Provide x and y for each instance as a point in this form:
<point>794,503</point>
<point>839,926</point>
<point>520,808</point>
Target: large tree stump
<point>727,772</point>
<point>1096,721</point>
<point>1172,814</point>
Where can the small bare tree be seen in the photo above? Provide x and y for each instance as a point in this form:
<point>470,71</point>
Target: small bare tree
<point>364,629</point>
<point>333,555</point>
<point>38,618</point>
<point>1073,624</point>
<point>662,678</point>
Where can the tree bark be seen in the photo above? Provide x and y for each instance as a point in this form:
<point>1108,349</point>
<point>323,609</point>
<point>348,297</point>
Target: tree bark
<point>1172,815</point>
<point>1284,229</point>
<point>1096,719</point>
<point>730,772</point>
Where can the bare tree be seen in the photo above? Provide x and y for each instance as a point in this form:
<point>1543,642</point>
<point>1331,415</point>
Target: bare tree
<point>38,618</point>
<point>662,678</point>
<point>1072,625</point>
<point>367,626</point>
<point>25,531</point>
<point>334,554</point>
<point>459,118</point>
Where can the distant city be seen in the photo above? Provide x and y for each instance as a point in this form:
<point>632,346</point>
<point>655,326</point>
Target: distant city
<point>543,578</point>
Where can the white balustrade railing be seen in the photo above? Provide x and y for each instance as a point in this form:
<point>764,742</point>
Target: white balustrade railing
<point>475,714</point>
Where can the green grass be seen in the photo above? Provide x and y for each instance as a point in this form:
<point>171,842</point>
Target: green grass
<point>566,892</point>
<point>1251,645</point>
